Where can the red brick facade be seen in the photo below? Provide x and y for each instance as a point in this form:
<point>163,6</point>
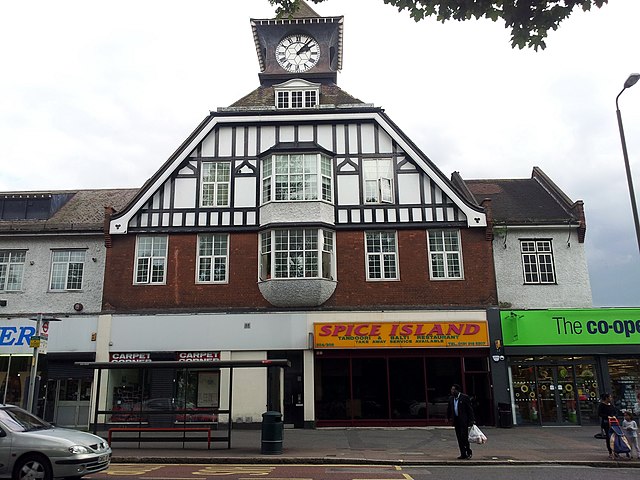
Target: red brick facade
<point>414,289</point>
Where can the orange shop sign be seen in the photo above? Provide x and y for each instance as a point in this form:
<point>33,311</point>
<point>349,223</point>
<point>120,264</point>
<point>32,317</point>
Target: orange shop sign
<point>400,335</point>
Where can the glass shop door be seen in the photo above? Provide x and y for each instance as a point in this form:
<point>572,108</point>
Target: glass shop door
<point>556,394</point>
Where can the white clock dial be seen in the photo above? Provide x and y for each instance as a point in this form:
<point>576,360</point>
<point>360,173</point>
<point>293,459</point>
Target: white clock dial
<point>297,53</point>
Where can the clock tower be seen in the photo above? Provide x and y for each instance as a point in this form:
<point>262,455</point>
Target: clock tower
<point>305,46</point>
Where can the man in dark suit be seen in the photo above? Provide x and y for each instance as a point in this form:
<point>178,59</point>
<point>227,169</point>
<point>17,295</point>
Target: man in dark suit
<point>460,412</point>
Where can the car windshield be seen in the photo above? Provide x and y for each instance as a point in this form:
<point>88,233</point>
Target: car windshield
<point>19,420</point>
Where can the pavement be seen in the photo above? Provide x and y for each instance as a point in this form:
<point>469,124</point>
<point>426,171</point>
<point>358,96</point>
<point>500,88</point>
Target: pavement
<point>574,445</point>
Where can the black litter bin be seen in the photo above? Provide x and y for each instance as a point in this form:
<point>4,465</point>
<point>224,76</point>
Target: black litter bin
<point>505,415</point>
<point>272,433</point>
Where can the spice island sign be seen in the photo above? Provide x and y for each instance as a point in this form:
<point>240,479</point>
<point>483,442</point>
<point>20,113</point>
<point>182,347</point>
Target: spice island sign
<point>401,335</point>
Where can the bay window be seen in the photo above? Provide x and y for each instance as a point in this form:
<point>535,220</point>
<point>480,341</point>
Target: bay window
<point>297,177</point>
<point>296,253</point>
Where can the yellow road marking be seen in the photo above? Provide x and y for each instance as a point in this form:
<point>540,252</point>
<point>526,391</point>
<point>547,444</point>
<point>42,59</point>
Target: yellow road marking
<point>131,469</point>
<point>253,470</point>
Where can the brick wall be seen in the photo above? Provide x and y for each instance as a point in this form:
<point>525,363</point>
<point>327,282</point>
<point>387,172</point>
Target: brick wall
<point>414,289</point>
<point>181,291</point>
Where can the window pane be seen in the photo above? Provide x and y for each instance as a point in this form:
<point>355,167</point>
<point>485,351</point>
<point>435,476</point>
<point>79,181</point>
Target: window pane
<point>389,266</point>
<point>212,261</point>
<point>157,270</point>
<point>74,278</point>
<point>453,265</point>
<point>220,269</point>
<point>381,255</point>
<point>437,265</point>
<point>58,276</point>
<point>216,178</point>
<point>537,261</point>
<point>206,245</point>
<point>151,258</point>
<point>66,269</point>
<point>436,243</point>
<point>145,244</point>
<point>204,270</point>
<point>11,269</point>
<point>159,246</point>
<point>297,253</point>
<point>14,279</point>
<point>445,255</point>
<point>143,270</point>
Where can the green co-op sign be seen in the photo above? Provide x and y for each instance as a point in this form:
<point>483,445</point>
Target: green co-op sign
<point>614,326</point>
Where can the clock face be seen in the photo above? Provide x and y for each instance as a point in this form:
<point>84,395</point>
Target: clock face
<point>297,53</point>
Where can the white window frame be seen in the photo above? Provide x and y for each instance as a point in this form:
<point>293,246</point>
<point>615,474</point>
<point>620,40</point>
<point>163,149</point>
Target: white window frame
<point>297,184</point>
<point>12,269</point>
<point>377,178</point>
<point>211,257</point>
<point>308,253</point>
<point>377,253</point>
<point>294,99</point>
<point>219,187</point>
<point>446,254</point>
<point>66,266</point>
<point>535,254</point>
<point>154,255</point>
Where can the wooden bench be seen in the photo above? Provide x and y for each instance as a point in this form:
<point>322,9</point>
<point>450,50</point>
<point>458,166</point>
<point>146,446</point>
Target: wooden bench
<point>140,438</point>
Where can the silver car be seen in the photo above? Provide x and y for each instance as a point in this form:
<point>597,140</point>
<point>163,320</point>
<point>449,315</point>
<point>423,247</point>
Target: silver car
<point>31,448</point>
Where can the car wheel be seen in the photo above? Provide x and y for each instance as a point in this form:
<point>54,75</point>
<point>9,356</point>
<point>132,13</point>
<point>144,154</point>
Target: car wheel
<point>33,467</point>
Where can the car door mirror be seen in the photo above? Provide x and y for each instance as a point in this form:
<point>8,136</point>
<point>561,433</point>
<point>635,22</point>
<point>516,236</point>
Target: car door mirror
<point>2,433</point>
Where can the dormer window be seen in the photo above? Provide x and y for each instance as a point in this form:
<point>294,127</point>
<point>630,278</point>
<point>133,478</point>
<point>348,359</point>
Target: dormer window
<point>297,94</point>
<point>297,99</point>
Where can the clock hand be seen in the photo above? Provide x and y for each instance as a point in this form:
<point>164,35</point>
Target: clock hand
<point>304,48</point>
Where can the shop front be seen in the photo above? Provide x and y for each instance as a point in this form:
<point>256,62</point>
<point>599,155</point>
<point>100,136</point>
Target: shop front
<point>162,396</point>
<point>560,361</point>
<point>398,373</point>
<point>62,392</point>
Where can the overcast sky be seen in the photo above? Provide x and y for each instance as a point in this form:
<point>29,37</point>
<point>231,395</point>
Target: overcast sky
<point>97,94</point>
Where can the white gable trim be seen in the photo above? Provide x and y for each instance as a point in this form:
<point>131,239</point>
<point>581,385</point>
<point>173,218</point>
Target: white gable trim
<point>474,218</point>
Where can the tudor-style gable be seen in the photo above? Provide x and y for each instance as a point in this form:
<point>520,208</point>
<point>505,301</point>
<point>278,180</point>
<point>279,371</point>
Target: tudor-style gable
<point>303,166</point>
<point>379,176</point>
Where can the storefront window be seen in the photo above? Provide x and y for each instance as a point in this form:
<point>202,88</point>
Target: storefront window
<point>407,380</point>
<point>625,382</point>
<point>407,387</point>
<point>164,396</point>
<point>332,389</point>
<point>14,375</point>
<point>525,396</point>
<point>128,392</point>
<point>369,388</point>
<point>441,374</point>
<point>588,392</point>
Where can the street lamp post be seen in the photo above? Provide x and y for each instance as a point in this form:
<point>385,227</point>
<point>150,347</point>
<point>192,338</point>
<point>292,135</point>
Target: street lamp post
<point>630,82</point>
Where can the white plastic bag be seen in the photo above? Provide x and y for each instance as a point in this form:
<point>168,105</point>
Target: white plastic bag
<point>476,435</point>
